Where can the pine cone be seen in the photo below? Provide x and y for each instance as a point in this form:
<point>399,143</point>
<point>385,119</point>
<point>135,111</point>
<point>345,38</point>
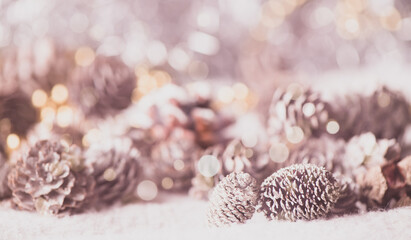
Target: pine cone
<point>385,113</point>
<point>237,157</point>
<point>296,108</point>
<point>17,114</point>
<point>4,170</point>
<point>324,151</point>
<point>233,200</point>
<point>37,66</point>
<point>349,200</point>
<point>365,151</point>
<point>103,88</point>
<point>172,158</point>
<point>115,169</point>
<point>301,191</point>
<point>50,179</point>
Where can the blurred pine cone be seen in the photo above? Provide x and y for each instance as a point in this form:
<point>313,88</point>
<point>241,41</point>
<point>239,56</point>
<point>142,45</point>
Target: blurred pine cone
<point>17,114</point>
<point>4,170</point>
<point>234,157</point>
<point>301,191</point>
<point>233,200</point>
<point>69,135</point>
<point>385,113</point>
<point>40,65</point>
<point>103,88</point>
<point>349,200</point>
<point>296,110</point>
<point>172,159</point>
<point>365,151</point>
<point>115,168</point>
<point>50,179</point>
<point>325,152</point>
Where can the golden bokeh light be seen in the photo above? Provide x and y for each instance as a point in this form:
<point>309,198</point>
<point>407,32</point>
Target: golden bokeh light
<point>178,165</point>
<point>64,116</point>
<point>13,141</point>
<point>59,93</point>
<point>109,174</point>
<point>39,98</point>
<point>167,183</point>
<point>84,56</point>
<point>147,190</point>
<point>333,127</point>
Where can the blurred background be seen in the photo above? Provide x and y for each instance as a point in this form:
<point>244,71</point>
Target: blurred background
<point>225,40</point>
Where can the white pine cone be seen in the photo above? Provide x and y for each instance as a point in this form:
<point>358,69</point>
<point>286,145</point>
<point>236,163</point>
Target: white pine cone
<point>233,200</point>
<point>103,88</point>
<point>300,191</point>
<point>115,168</point>
<point>50,179</point>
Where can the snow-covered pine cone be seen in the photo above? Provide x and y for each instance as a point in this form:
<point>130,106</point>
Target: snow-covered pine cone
<point>325,151</point>
<point>4,171</point>
<point>300,191</point>
<point>103,88</point>
<point>366,151</point>
<point>386,113</point>
<point>233,200</point>
<point>40,65</point>
<point>115,168</point>
<point>295,110</point>
<point>16,113</point>
<point>50,179</point>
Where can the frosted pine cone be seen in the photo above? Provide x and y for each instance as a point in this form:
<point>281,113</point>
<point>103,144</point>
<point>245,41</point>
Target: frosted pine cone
<point>17,111</point>
<point>50,179</point>
<point>301,191</point>
<point>324,151</point>
<point>296,110</point>
<point>104,87</point>
<point>349,200</point>
<point>233,200</point>
<point>4,170</point>
<point>69,135</point>
<point>37,66</point>
<point>365,151</point>
<point>115,169</point>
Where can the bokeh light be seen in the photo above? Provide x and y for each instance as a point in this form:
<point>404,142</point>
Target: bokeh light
<point>208,165</point>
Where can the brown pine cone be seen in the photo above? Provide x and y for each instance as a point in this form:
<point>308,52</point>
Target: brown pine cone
<point>50,179</point>
<point>17,114</point>
<point>364,152</point>
<point>115,168</point>
<point>385,113</point>
<point>301,191</point>
<point>296,115</point>
<point>4,170</point>
<point>103,88</point>
<point>233,200</point>
<point>40,65</point>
